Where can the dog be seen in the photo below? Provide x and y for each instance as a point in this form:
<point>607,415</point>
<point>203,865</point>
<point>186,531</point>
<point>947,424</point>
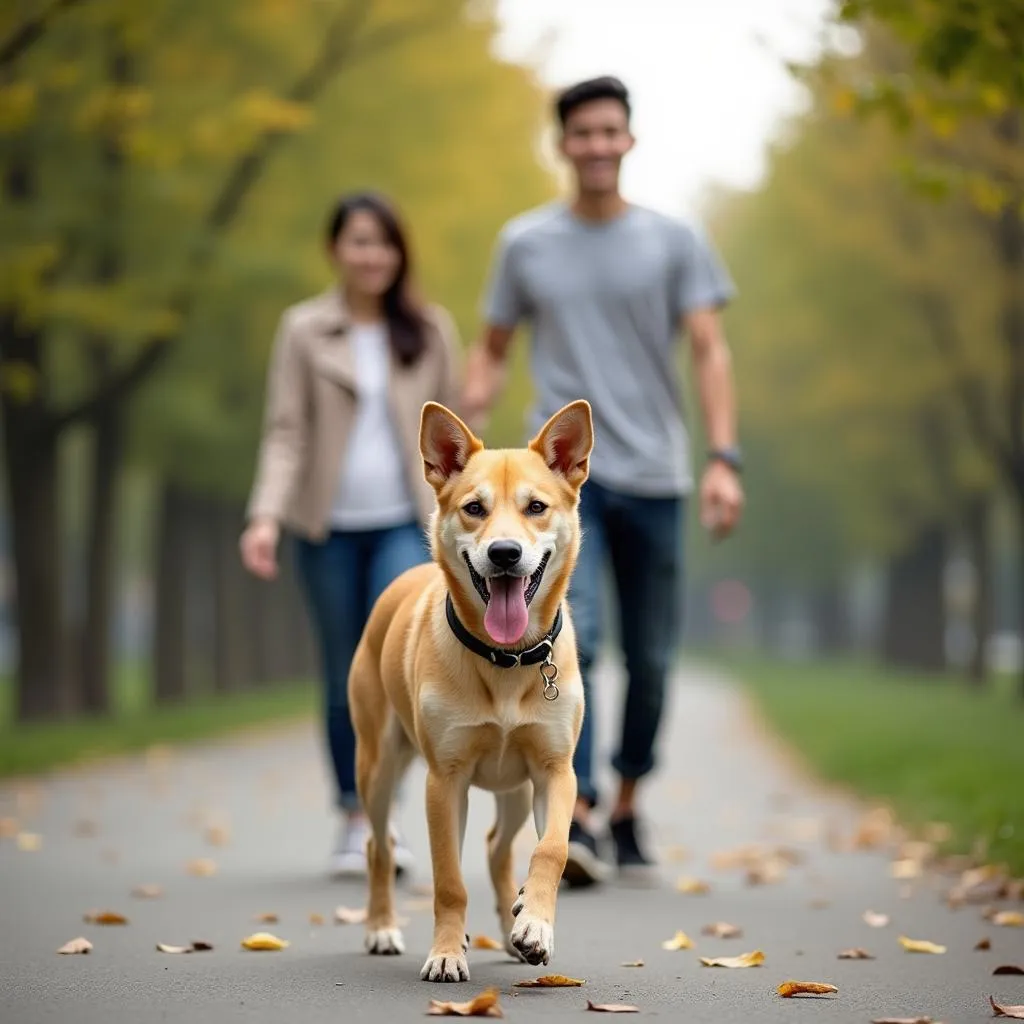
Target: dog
<point>469,661</point>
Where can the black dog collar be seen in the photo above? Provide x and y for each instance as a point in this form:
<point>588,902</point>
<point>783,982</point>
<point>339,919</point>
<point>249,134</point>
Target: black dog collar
<point>535,655</point>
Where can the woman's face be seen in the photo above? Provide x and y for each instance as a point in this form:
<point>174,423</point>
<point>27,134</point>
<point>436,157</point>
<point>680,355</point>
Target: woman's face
<point>368,262</point>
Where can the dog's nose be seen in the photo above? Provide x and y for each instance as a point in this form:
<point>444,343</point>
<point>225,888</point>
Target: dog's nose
<point>505,554</point>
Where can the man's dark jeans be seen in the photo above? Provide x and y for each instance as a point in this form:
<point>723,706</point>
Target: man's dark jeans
<point>642,540</point>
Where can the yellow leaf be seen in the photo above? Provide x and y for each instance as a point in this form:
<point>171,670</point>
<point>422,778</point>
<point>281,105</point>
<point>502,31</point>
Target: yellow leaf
<point>29,841</point>
<point>1008,919</point>
<point>692,886</point>
<point>788,989</point>
<point>920,945</point>
<point>754,959</point>
<point>483,1005</point>
<point>79,945</point>
<point>993,98</point>
<point>905,868</point>
<point>202,867</point>
<point>17,106</point>
<point>485,942</point>
<point>551,981</point>
<point>678,941</point>
<point>264,941</point>
<point>843,101</point>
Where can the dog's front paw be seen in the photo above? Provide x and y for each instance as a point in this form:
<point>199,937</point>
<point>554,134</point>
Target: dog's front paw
<point>384,941</point>
<point>445,967</point>
<point>532,938</point>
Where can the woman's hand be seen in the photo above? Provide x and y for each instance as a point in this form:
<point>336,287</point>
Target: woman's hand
<point>259,548</point>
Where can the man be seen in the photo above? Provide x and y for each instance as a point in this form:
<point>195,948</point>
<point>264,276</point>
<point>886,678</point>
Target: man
<point>606,287</point>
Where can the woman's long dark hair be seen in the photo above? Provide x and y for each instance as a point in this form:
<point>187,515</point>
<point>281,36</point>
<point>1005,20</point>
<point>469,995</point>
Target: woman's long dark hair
<point>403,311</point>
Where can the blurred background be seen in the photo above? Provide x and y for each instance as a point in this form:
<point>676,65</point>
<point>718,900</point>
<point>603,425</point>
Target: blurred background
<point>166,169</point>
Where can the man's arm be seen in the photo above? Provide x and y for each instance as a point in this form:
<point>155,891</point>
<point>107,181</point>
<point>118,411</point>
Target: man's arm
<point>486,372</point>
<point>712,366</point>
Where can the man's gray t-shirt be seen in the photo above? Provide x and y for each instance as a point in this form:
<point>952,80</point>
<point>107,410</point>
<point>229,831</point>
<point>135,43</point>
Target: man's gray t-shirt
<point>604,301</point>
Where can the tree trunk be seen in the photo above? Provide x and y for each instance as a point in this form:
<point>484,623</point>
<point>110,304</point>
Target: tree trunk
<point>913,632</point>
<point>232,637</point>
<point>979,543</point>
<point>169,614</point>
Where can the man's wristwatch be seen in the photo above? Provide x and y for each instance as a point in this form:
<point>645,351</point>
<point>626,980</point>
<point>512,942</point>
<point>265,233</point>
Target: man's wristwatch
<point>731,456</point>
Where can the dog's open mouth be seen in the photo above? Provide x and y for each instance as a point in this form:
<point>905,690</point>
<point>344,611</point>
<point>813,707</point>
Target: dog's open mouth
<point>507,599</point>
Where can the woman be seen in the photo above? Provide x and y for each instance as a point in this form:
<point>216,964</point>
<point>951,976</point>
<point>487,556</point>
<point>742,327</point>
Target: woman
<point>339,462</point>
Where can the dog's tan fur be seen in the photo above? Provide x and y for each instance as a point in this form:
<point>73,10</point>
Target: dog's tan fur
<point>415,689</point>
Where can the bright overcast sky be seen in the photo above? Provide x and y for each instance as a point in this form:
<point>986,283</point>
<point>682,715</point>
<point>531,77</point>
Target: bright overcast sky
<point>706,78</point>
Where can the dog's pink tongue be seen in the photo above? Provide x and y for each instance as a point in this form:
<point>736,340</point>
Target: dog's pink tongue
<point>506,617</point>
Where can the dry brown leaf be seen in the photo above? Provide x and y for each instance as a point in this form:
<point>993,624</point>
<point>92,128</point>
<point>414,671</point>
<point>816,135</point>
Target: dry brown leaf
<point>754,959</point>
<point>192,947</point>
<point>483,1005</point>
<point>722,930</point>
<point>875,920</point>
<point>104,917</point>
<point>201,867</point>
<point>218,835</point>
<point>29,841</point>
<point>875,828</point>
<point>920,945</point>
<point>84,828</point>
<point>692,886</point>
<point>316,919</point>
<point>1008,919</point>
<point>902,1020</point>
<point>788,989</point>
<point>632,963</point>
<point>1016,1012</point>
<point>768,872</point>
<point>201,947</point>
<point>983,943</point>
<point>1009,969</point>
<point>350,915</point>
<point>78,945</point>
<point>148,892</point>
<point>612,1007</point>
<point>264,941</point>
<point>678,941</point>
<point>267,918</point>
<point>550,981</point>
<point>8,828</point>
<point>855,954</point>
<point>485,942</point>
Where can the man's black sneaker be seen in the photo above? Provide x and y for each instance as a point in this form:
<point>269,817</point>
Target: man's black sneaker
<point>583,866</point>
<point>633,863</point>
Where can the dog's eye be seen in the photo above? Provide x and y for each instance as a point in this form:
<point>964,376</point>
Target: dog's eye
<point>536,508</point>
<point>474,508</point>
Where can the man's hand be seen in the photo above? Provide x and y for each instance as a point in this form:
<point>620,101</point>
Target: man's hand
<point>485,375</point>
<point>721,499</point>
<point>259,548</point>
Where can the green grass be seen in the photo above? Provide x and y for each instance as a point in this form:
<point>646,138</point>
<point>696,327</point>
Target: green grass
<point>135,724</point>
<point>929,747</point>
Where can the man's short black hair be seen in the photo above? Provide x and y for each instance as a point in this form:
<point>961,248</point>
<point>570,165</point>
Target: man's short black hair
<point>607,87</point>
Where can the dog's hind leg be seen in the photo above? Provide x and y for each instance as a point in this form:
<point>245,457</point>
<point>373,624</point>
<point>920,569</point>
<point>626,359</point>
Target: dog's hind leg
<point>513,808</point>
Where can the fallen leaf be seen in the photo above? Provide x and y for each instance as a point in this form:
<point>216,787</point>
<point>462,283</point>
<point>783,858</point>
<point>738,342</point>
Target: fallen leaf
<point>722,930</point>
<point>85,827</point>
<point>268,918</point>
<point>768,872</point>
<point>788,989</point>
<point>8,828</point>
<point>920,945</point>
<point>678,941</point>
<point>104,917</point>
<point>483,1005</point>
<point>217,835</point>
<point>754,959</point>
<point>875,920</point>
<point>29,841</point>
<point>148,892</point>
<point>316,919</point>
<point>819,903</point>
<point>550,981</point>
<point>485,942</point>
<point>855,954</point>
<point>632,963</point>
<point>612,1007</point>
<point>902,1020</point>
<point>264,940</point>
<point>692,886</point>
<point>201,867</point>
<point>192,947</point>
<point>1016,1012</point>
<point>1008,919</point>
<point>1009,969</point>
<point>874,829</point>
<point>985,943</point>
<point>76,946</point>
<point>350,915</point>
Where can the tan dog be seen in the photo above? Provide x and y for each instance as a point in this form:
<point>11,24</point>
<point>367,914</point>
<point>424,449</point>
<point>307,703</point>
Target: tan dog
<point>470,661</point>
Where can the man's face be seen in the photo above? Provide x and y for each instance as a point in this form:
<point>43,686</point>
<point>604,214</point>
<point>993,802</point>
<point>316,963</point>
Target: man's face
<point>595,139</point>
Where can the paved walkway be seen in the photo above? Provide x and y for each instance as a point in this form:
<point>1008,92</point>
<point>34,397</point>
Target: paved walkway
<point>723,784</point>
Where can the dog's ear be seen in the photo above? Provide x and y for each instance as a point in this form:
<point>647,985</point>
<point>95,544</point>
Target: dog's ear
<point>565,442</point>
<point>446,444</point>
